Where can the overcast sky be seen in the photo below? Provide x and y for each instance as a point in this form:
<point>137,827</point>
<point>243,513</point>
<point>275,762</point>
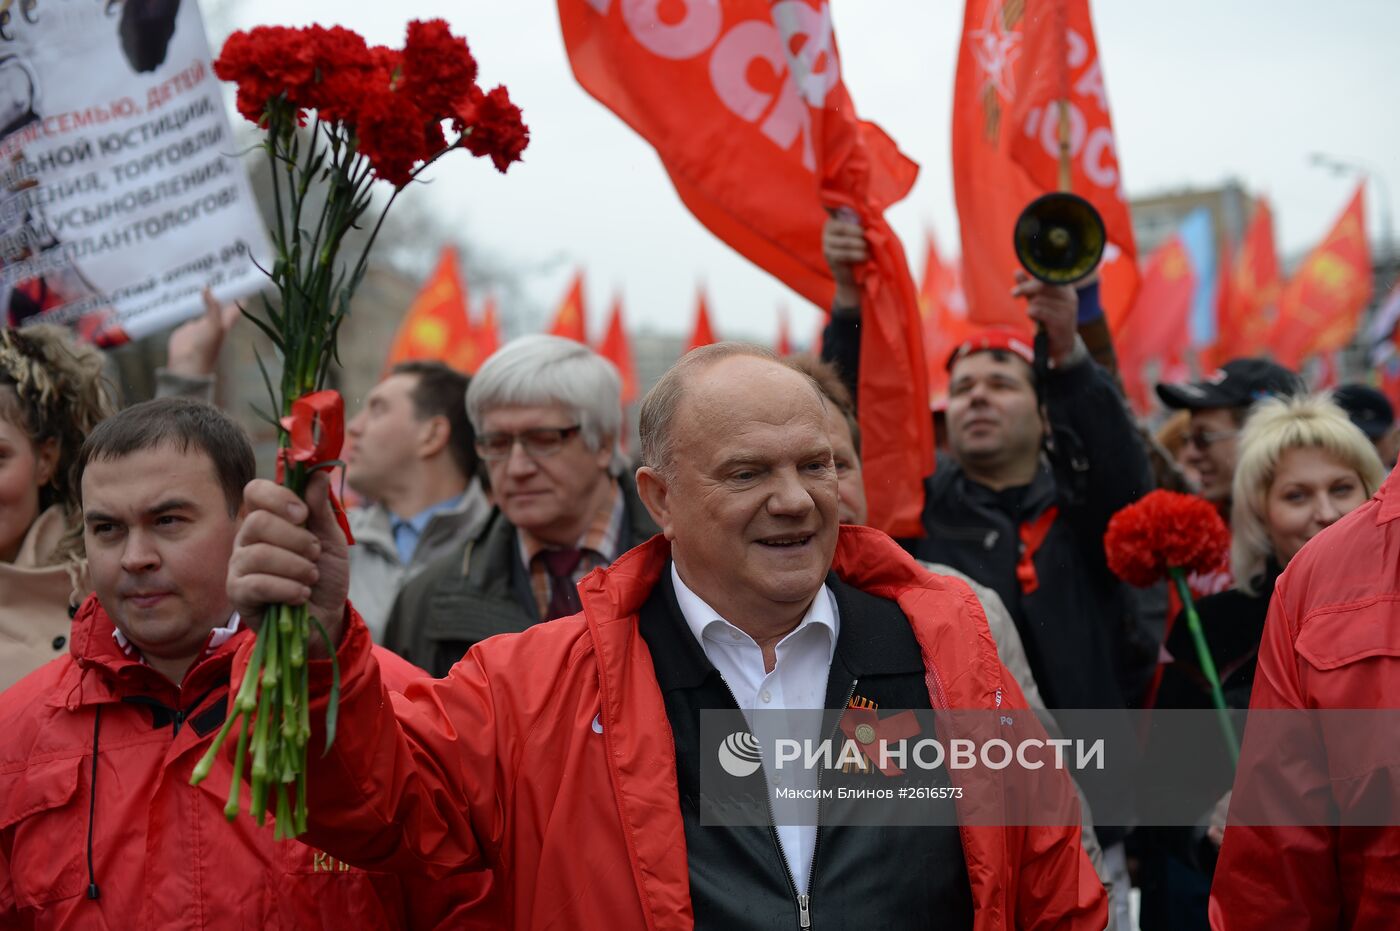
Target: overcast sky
<point>1200,90</point>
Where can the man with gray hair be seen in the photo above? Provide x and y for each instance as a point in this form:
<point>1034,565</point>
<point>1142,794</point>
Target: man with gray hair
<point>567,759</point>
<point>547,413</point>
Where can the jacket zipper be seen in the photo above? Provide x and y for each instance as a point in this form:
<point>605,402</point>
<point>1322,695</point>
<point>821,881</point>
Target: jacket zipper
<point>804,902</point>
<point>940,703</point>
<point>988,537</point>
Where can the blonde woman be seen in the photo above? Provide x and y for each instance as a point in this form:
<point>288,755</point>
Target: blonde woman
<point>51,394</point>
<point>1302,466</point>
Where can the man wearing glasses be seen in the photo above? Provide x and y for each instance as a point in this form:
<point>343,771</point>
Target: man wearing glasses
<point>1219,405</point>
<point>547,414</point>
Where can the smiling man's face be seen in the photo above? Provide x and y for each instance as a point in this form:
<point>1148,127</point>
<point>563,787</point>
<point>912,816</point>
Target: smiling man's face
<point>751,501</point>
<point>993,415</point>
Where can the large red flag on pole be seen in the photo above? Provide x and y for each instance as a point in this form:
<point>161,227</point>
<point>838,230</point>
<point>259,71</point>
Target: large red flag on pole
<point>701,333</point>
<point>1017,61</point>
<point>617,349</point>
<point>571,319</point>
<point>436,326</point>
<point>1321,305</point>
<point>1249,291</point>
<point>744,103</point>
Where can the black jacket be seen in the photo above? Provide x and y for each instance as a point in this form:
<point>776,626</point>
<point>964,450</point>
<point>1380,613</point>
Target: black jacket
<point>481,589</point>
<point>1076,626</point>
<point>862,876</point>
<point>1178,863</point>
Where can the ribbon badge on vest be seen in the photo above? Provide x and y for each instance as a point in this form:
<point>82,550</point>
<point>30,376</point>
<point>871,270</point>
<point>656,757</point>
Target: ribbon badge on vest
<point>862,724</point>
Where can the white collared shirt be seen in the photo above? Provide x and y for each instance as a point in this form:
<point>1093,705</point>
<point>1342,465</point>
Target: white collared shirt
<point>798,681</point>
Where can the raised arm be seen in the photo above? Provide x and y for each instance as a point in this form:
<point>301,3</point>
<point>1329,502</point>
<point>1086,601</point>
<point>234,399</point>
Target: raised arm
<point>411,782</point>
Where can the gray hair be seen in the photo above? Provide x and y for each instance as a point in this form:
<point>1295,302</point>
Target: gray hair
<point>544,370</point>
<point>1275,426</point>
<point>659,407</point>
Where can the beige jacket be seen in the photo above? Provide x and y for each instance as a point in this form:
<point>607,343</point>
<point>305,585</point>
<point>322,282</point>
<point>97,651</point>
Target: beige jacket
<point>34,599</point>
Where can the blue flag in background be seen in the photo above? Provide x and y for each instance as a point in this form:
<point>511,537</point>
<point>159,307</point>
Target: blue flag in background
<point>1197,234</point>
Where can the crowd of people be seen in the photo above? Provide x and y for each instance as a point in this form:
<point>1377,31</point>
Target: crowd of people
<point>529,626</point>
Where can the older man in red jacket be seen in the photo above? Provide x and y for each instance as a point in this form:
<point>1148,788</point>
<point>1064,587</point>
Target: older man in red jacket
<point>99,825</point>
<point>567,758</point>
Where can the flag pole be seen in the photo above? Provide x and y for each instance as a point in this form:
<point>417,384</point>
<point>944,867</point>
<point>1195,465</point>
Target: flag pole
<point>1062,65</point>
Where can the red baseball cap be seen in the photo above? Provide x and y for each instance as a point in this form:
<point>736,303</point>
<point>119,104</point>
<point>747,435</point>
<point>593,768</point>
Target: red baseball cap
<point>1007,339</point>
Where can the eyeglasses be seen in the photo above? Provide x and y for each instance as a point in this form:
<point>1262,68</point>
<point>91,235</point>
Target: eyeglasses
<point>1204,439</point>
<point>539,442</point>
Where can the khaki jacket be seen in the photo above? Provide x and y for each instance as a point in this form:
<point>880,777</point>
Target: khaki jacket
<point>34,599</point>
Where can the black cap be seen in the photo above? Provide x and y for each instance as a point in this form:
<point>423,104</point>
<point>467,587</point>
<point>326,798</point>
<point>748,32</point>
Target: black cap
<point>1367,408</point>
<point>1239,383</point>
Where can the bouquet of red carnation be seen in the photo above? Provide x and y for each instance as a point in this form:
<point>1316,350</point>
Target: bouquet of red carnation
<point>1167,534</point>
<point>375,114</point>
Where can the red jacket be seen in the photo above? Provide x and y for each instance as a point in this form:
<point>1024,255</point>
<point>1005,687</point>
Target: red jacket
<point>163,855</point>
<point>1332,641</point>
<point>500,764</point>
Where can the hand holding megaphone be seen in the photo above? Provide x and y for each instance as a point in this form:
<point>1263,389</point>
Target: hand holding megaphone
<point>1060,238</point>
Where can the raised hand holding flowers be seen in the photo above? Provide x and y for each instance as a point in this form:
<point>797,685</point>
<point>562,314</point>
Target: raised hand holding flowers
<point>375,114</point>
<point>1170,535</point>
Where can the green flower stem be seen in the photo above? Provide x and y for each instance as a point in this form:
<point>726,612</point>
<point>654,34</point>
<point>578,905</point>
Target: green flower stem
<point>1198,638</point>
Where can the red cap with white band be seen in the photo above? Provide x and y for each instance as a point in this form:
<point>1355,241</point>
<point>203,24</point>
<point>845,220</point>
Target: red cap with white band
<point>1006,339</point>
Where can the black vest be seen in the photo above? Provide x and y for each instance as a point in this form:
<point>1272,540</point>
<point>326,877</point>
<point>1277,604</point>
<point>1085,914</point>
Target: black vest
<point>892,876</point>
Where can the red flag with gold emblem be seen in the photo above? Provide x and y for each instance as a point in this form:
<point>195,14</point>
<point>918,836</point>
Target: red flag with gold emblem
<point>1016,61</point>
<point>617,349</point>
<point>571,319</point>
<point>744,103</point>
<point>436,325</point>
<point>1159,328</point>
<point>1249,292</point>
<point>701,333</point>
<point>1321,305</point>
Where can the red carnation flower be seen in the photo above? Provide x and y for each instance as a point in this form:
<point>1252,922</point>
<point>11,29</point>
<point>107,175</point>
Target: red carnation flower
<point>436,67</point>
<point>493,126</point>
<point>1165,530</point>
<point>346,73</point>
<point>394,135</point>
<point>265,62</point>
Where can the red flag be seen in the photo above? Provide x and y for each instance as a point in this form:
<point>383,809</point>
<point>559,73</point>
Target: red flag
<point>436,325</point>
<point>617,349</point>
<point>944,311</point>
<point>744,103</point>
<point>783,347</point>
<point>1390,381</point>
<point>488,332</point>
<point>1320,307</point>
<point>1159,328</point>
<point>1016,61</point>
<point>1249,291</point>
<point>701,334</point>
<point>571,319</point>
